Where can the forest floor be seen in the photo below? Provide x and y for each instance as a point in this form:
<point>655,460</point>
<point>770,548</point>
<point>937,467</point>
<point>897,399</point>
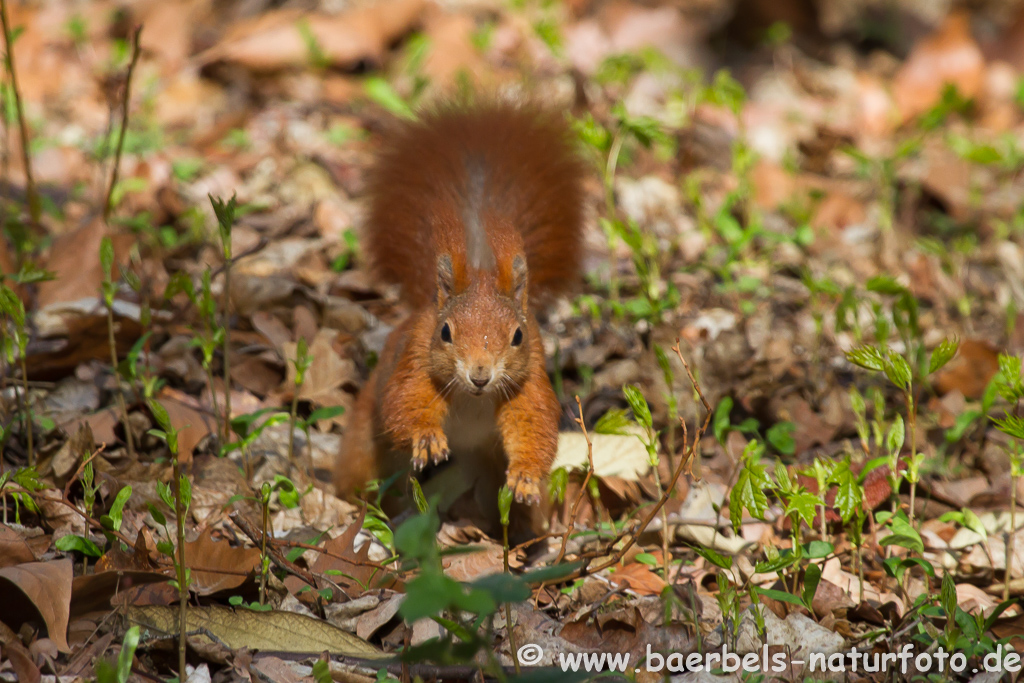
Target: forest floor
<point>796,351</point>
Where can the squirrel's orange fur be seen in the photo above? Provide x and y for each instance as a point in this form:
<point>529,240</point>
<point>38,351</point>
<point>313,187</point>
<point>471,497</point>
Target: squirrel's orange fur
<point>476,213</point>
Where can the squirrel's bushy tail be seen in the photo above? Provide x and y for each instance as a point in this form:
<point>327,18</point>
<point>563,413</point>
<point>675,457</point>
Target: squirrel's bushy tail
<point>499,165</point>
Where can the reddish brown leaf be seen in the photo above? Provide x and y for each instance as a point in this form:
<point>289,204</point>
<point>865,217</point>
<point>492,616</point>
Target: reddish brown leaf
<point>213,555</point>
<point>948,56</point>
<point>13,548</point>
<point>639,578</point>
<point>970,371</point>
<point>38,590</point>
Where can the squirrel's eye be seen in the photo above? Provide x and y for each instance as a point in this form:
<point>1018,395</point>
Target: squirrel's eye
<point>446,334</point>
<point>517,337</point>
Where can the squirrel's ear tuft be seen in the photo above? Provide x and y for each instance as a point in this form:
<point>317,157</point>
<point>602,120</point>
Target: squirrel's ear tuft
<point>445,279</point>
<point>520,280</point>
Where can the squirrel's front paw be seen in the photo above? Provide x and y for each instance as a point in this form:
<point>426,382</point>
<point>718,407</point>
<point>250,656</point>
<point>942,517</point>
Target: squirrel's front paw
<point>429,447</point>
<point>524,487</point>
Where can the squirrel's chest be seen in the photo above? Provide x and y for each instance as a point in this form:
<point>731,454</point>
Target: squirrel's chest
<point>472,423</point>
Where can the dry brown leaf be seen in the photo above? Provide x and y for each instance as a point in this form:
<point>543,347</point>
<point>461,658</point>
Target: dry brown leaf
<point>94,592</point>
<point>47,588</point>
<point>948,56</point>
<point>185,414</point>
<point>638,578</point>
<point>74,260</point>
<point>281,39</point>
<point>13,548</point>
<point>970,371</point>
<point>486,559</point>
<point>948,177</point>
<point>323,381</point>
<point>213,555</point>
<point>25,669</point>
<point>452,53</point>
<point>354,566</point>
<point>271,631</point>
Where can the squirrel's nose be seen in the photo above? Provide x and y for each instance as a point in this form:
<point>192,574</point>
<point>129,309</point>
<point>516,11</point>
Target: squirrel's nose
<point>480,376</point>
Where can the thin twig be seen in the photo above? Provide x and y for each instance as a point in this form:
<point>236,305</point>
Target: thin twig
<point>685,463</point>
<point>583,488</point>
<point>34,206</point>
<point>125,103</point>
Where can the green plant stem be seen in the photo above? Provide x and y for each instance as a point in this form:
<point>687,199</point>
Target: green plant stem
<point>664,520</point>
<point>508,606</point>
<point>179,514</point>
<point>128,438</point>
<point>213,393</point>
<point>912,417</point>
<point>125,103</point>
<point>795,521</point>
<point>1009,539</point>
<point>291,425</point>
<point>609,199</point>
<point>28,410</point>
<point>860,566</point>
<point>34,205</point>
<point>227,347</point>
<point>263,549</point>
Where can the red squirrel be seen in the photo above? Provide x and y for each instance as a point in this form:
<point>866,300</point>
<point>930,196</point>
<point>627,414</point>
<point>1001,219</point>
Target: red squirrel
<point>476,212</point>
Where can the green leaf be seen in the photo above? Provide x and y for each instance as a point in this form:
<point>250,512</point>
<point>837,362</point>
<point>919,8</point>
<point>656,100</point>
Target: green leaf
<point>158,516</point>
<point>896,567</point>
<point>164,491</point>
<point>185,486</point>
<point>903,534</point>
<point>504,504</point>
<point>897,433</point>
<point>805,505</point>
<point>127,654</point>
<point>848,493</point>
<point>780,436</point>
<point>502,587</point>
<point>898,370</point>
<point>812,576</point>
<point>713,557</point>
<point>118,506</point>
<point>818,549</point>
<point>721,420</point>
<point>321,671</point>
<point>79,544</point>
<point>1010,425</point>
<point>106,257</point>
<point>885,284</point>
<point>781,596</point>
<point>553,574</point>
<point>647,559</point>
<point>782,479</point>
<point>1011,387</point>
<point>381,92</point>
<point>615,421</point>
<point>431,593</point>
<point>325,413</point>
<point>159,414</point>
<point>415,538</point>
<point>638,404</point>
<point>963,422</point>
<point>942,354</point>
<point>417,494</point>
<point>748,492</point>
<point>867,357</point>
<point>974,523</point>
<point>948,595</point>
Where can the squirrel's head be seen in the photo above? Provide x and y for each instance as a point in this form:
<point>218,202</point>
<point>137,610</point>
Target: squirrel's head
<point>481,342</point>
